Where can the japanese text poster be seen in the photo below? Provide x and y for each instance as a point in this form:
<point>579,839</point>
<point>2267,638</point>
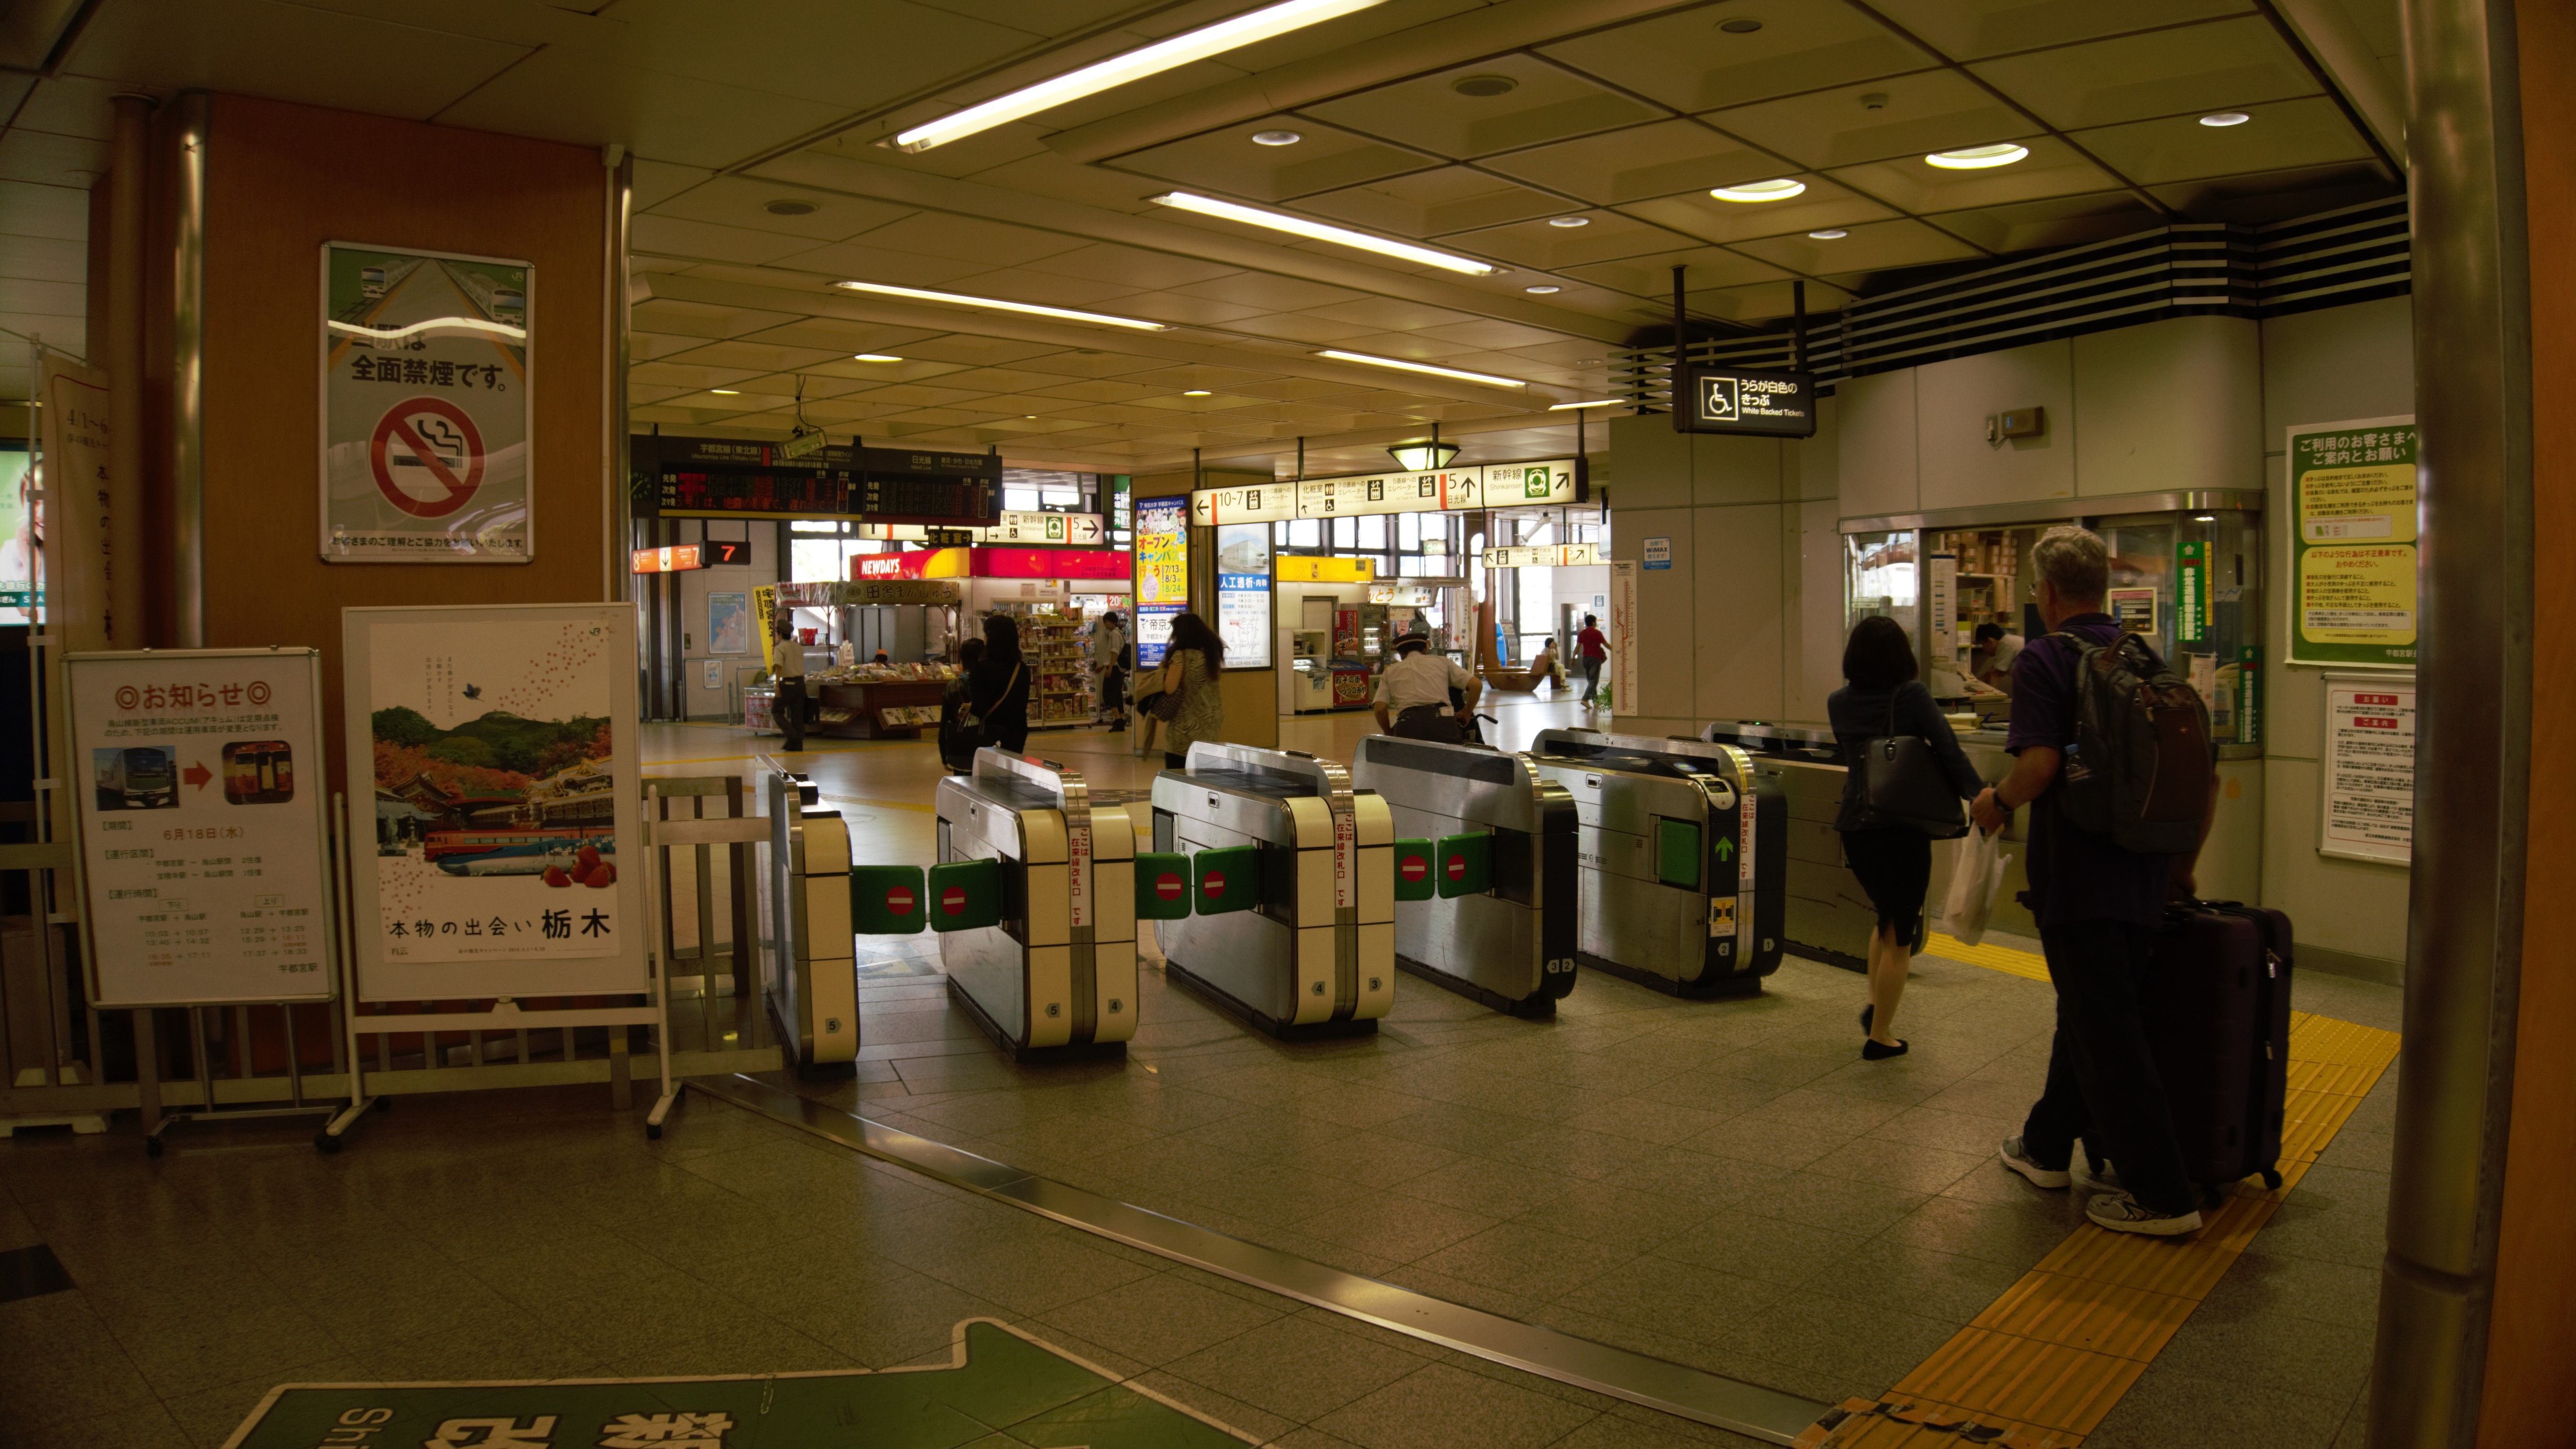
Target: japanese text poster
<point>425,407</point>
<point>202,807</point>
<point>2369,796</point>
<point>500,745</point>
<point>2352,570</point>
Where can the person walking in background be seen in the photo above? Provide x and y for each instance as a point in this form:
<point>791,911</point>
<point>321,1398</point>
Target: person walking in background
<point>1190,679</point>
<point>1109,669</point>
<point>1881,698</point>
<point>2098,907</point>
<point>1000,686</point>
<point>955,751</point>
<point>787,671</point>
<point>1590,648</point>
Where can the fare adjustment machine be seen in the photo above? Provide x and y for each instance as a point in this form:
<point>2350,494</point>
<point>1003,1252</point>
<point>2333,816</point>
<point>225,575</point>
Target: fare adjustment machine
<point>1683,854</point>
<point>1292,925</point>
<point>1485,864</point>
<point>1034,899</point>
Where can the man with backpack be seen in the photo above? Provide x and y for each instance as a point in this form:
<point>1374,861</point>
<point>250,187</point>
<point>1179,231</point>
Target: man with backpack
<point>2112,753</point>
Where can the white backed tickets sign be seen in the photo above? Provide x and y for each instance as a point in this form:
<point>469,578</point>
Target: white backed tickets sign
<point>500,854</point>
<point>202,809</point>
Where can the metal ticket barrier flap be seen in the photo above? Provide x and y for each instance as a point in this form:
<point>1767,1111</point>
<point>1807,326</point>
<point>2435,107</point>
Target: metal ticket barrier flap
<point>1682,845</point>
<point>1312,950</point>
<point>1487,865</point>
<point>814,977</point>
<point>1035,900</point>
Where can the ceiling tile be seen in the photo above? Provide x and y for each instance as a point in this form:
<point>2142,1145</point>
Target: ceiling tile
<point>1430,203</point>
<point>840,336</point>
<point>1543,103</point>
<point>1302,327</point>
<point>1096,390</point>
<point>1133,266</point>
<point>679,237</point>
<point>2052,169</point>
<point>1227,162</point>
<point>1088,363</point>
<point>743,201</point>
<point>571,95</point>
<point>1640,162</point>
<point>1490,332</point>
<point>51,160</point>
<point>1060,178</point>
<point>1899,243</point>
<point>861,262</point>
<point>1969,29</point>
<point>1766,301</point>
<point>1652,276</point>
<point>289,52</point>
<point>672,374</point>
<point>1823,204</point>
<point>1605,236</point>
<point>976,239</point>
<point>2280,137</point>
<point>2057,222</point>
<point>1933,110</point>
<point>1389,312</point>
<point>1172,307</point>
<point>1686,62</point>
<point>982,351</point>
<point>43,259</point>
<point>2277,195</point>
<point>2221,63</point>
<point>1049,289</point>
<point>701,319</point>
<point>1270,292</point>
<point>718,43</point>
<point>767,357</point>
<point>646,346</point>
<point>658,181</point>
<point>69,105</point>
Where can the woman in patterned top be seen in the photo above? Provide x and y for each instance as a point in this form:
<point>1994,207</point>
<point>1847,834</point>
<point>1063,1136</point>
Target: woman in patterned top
<point>1189,674</point>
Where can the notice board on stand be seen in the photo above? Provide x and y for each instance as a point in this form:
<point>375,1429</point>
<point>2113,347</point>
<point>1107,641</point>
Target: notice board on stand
<point>203,824</point>
<point>504,780</point>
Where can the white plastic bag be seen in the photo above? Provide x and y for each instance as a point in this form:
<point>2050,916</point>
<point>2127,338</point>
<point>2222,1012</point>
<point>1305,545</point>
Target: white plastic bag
<point>1976,878</point>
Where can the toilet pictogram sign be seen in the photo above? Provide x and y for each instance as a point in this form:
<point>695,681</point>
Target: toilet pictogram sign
<point>427,456</point>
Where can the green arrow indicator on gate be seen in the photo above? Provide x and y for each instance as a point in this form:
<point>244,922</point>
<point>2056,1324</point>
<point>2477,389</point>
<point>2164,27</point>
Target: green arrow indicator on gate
<point>1726,847</point>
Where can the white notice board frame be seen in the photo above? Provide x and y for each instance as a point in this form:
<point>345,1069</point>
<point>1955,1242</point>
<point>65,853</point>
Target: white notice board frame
<point>372,636</point>
<point>96,687</point>
<point>2336,761</point>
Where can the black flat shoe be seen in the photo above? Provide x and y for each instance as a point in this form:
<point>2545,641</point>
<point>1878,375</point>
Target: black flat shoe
<point>1866,1013</point>
<point>1871,1051</point>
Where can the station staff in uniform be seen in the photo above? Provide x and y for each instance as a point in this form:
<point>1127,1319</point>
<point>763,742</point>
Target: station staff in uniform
<point>1413,695</point>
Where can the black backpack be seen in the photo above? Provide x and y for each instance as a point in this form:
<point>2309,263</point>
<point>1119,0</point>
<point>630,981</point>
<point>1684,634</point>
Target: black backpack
<point>2139,769</point>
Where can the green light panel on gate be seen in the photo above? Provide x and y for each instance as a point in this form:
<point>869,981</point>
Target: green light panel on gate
<point>965,894</point>
<point>1227,879</point>
<point>1162,885</point>
<point>1414,879</point>
<point>1464,864</point>
<point>1677,853</point>
<point>886,900</point>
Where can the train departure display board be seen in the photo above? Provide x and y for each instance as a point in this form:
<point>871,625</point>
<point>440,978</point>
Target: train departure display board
<point>729,478</point>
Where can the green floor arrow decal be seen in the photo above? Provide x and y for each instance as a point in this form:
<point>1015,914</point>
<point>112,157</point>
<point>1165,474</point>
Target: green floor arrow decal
<point>1000,1382</point>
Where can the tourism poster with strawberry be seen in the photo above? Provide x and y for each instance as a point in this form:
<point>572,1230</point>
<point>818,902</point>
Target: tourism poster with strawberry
<point>498,743</point>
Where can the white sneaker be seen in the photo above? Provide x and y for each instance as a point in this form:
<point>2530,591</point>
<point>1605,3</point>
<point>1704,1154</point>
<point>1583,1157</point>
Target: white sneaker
<point>2122,1213</point>
<point>2019,1160</point>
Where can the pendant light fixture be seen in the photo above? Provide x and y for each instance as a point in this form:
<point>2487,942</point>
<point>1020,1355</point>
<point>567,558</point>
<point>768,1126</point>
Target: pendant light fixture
<point>1428,457</point>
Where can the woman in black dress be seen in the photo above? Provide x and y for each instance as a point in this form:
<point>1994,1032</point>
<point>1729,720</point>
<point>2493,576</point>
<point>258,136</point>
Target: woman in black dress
<point>1000,685</point>
<point>1893,862</point>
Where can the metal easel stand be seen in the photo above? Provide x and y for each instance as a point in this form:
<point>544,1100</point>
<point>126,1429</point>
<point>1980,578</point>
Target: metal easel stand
<point>206,1110</point>
<point>657,965</point>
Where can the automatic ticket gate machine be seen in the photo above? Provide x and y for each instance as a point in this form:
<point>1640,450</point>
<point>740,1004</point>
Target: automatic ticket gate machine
<point>1683,848</point>
<point>811,968</point>
<point>1035,899</point>
<point>1285,836</point>
<point>1497,921</point>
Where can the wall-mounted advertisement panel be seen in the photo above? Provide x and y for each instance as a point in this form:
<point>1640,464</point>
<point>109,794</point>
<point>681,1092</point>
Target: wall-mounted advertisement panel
<point>203,825</point>
<point>427,391</point>
<point>503,784</point>
<point>2352,561</point>
<point>1243,594</point>
<point>1162,573</point>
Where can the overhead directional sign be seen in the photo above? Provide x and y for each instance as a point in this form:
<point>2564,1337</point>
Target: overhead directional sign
<point>1496,485</point>
<point>1746,400</point>
<point>1258,504</point>
<point>1544,556</point>
<point>1018,526</point>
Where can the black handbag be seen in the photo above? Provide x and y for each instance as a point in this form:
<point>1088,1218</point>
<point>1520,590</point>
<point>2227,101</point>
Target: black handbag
<point>1901,784</point>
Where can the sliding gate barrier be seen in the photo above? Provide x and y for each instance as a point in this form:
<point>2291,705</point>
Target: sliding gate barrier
<point>1683,855</point>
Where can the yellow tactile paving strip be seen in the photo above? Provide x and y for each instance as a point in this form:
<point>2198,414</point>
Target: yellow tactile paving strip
<point>2046,1361</point>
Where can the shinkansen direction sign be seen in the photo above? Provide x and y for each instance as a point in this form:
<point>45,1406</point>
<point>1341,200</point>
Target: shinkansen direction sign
<point>1746,400</point>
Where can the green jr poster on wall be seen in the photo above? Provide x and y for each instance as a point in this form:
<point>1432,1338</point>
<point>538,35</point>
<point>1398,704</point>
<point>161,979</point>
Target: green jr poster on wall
<point>2352,564</point>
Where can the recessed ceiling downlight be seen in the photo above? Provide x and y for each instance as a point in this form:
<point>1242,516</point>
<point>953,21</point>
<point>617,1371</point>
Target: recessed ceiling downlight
<point>1978,158</point>
<point>1541,290</point>
<point>2225,118</point>
<point>1778,189</point>
<point>1484,85</point>
<point>1740,25</point>
<point>1276,138</point>
<point>1569,221</point>
<point>788,207</point>
<point>1831,233</point>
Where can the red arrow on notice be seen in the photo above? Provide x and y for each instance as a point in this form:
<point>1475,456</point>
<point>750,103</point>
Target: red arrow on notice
<point>197,775</point>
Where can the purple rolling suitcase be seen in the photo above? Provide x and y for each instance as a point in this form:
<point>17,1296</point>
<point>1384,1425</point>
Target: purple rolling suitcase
<point>2218,1018</point>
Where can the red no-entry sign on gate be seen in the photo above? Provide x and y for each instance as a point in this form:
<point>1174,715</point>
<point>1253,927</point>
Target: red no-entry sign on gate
<point>899,900</point>
<point>1457,867</point>
<point>446,453</point>
<point>1414,868</point>
<point>1214,885</point>
<point>1168,885</point>
<point>953,899</point>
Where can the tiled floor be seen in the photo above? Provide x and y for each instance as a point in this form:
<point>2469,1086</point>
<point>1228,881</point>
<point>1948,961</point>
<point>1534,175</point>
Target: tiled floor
<point>1721,1184</point>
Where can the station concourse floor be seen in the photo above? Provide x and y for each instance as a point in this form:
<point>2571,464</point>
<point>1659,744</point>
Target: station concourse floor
<point>1725,1185</point>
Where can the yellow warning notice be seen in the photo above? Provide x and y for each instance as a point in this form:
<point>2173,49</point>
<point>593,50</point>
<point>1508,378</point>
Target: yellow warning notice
<point>1721,915</point>
<point>2373,504</point>
<point>2358,595</point>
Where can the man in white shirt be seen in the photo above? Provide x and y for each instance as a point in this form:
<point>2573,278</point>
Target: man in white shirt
<point>1413,693</point>
<point>1108,669</point>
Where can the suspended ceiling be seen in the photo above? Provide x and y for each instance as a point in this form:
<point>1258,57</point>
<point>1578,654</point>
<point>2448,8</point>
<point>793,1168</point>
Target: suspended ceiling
<point>1623,113</point>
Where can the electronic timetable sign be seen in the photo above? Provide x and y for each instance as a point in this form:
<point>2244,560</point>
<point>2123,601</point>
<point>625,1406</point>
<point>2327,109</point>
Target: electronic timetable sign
<point>1746,400</point>
<point>731,478</point>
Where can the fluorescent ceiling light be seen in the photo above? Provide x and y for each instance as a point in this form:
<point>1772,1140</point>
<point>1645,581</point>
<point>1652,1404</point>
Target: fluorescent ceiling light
<point>1780,189</point>
<point>1606,402</point>
<point>726,391</point>
<point>874,357</point>
<point>1831,233</point>
<point>1978,158</point>
<point>1198,392</point>
<point>1118,70</point>
<point>2226,118</point>
<point>1396,362</point>
<point>955,299</point>
<point>1319,231</point>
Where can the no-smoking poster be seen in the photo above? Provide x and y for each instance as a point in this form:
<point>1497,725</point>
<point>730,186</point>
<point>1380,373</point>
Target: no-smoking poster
<point>425,407</point>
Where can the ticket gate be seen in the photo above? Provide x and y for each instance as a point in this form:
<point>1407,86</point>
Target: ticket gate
<point>1683,862</point>
<point>1511,943</point>
<point>1048,969</point>
<point>812,969</point>
<point>1313,952</point>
